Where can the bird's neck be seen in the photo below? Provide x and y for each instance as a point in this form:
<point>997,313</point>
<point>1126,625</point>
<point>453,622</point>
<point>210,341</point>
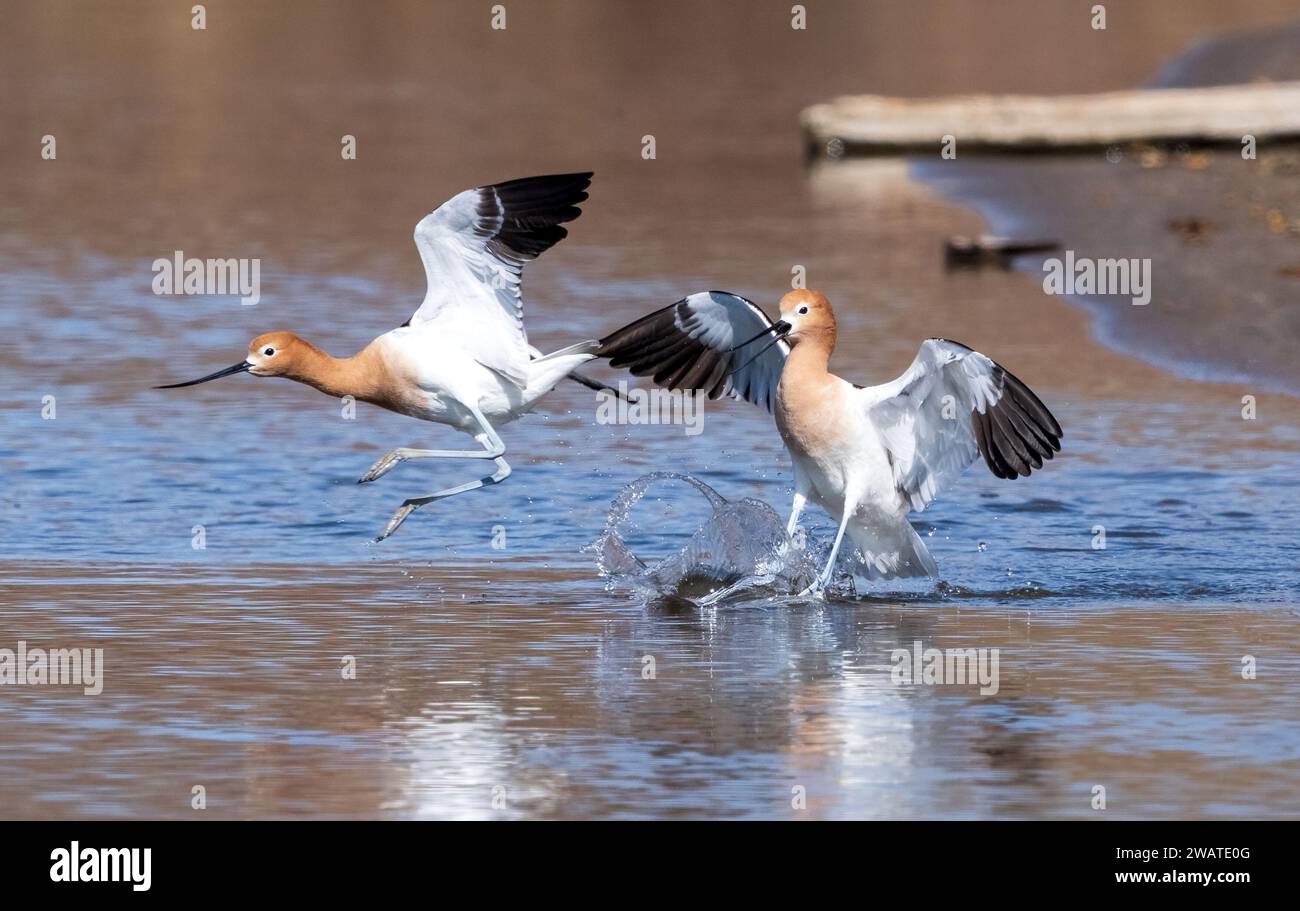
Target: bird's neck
<point>359,376</point>
<point>808,396</point>
<point>811,354</point>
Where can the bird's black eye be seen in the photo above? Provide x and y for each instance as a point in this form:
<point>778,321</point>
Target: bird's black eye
<point>268,351</point>
<point>803,309</point>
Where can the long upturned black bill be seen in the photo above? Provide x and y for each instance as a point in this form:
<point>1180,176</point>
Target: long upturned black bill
<point>241,367</point>
<point>761,352</point>
<point>780,327</point>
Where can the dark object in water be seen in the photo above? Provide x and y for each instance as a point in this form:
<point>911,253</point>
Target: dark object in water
<point>1192,229</point>
<point>967,253</point>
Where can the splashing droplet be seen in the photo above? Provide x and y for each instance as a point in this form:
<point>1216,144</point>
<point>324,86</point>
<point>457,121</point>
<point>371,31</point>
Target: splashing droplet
<point>741,547</point>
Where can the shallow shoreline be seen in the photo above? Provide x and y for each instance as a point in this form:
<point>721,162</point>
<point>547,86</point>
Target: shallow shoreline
<point>1220,230</point>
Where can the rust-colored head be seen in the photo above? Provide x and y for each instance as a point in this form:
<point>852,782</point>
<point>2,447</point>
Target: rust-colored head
<point>277,354</point>
<point>810,317</point>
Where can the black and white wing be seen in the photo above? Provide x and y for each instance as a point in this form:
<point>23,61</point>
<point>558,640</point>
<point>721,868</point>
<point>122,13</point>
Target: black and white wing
<point>951,406</point>
<point>688,345</point>
<point>474,247</point>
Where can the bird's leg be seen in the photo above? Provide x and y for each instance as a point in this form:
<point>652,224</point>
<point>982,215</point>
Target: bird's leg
<point>829,572</point>
<point>799,500</point>
<point>492,448</point>
<point>795,539</point>
<point>392,459</point>
<point>802,486</point>
<point>414,503</point>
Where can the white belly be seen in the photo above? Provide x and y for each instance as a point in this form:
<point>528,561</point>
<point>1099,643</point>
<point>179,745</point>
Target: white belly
<point>852,471</point>
<point>444,379</point>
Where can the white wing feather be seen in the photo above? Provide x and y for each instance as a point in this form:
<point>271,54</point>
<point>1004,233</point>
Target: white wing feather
<point>949,407</point>
<point>474,247</point>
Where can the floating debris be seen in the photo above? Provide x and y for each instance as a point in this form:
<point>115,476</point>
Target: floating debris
<point>964,252</point>
<point>1180,117</point>
<point>1193,229</point>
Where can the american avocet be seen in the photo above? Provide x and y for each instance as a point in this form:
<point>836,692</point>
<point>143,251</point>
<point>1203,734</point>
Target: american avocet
<point>463,359</point>
<point>869,455</point>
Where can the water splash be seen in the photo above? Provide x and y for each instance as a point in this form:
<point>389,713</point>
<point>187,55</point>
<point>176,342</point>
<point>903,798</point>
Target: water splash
<point>741,548</point>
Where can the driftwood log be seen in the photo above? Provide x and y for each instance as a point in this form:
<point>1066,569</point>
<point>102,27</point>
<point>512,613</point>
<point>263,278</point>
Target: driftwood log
<point>1215,115</point>
<point>988,249</point>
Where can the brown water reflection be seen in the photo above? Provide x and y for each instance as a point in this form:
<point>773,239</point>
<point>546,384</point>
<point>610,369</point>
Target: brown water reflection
<point>232,680</point>
<point>226,143</point>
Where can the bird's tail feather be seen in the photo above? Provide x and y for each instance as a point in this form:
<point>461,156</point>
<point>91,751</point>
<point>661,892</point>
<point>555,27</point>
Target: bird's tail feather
<point>588,347</point>
<point>548,369</point>
<point>891,553</point>
<point>580,378</point>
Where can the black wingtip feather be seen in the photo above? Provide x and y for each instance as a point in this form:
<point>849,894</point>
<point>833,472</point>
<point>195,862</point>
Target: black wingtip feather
<point>622,344</point>
<point>979,422</point>
<point>533,209</point>
<point>1013,449</point>
<point>661,345</point>
<point>1017,433</point>
<point>1032,404</point>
